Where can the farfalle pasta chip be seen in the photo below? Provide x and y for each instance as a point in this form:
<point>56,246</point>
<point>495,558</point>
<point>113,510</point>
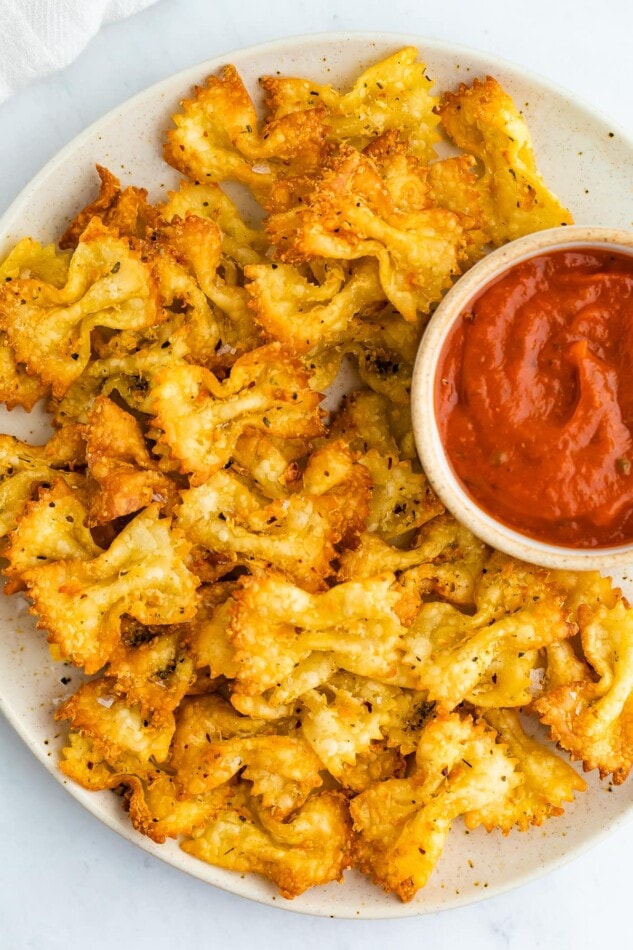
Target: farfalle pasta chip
<point>312,847</point>
<point>217,137</point>
<point>391,94</point>
<point>483,120</point>
<point>143,574</point>
<point>351,213</point>
<point>50,529</point>
<point>118,461</point>
<point>201,419</point>
<point>49,328</point>
<point>24,467</point>
<point>402,824</point>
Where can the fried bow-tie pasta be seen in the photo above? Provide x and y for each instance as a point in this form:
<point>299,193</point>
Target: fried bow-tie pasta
<point>591,716</point>
<point>197,244</point>
<point>127,212</point>
<point>155,806</point>
<point>296,535</point>
<point>402,824</point>
<point>310,847</point>
<point>23,467</point>
<point>50,529</point>
<point>371,421</point>
<point>547,781</point>
<point>349,716</point>
<point>152,667</point>
<point>49,328</point>
<point>275,628</point>
<point>112,745</point>
<point>449,652</point>
<point>271,464</point>
<point>129,377</point>
<point>282,769</point>
<point>402,498</point>
<point>392,94</point>
<point>306,315</point>
<point>483,120</point>
<point>117,730</point>
<point>240,243</point>
<point>217,138</point>
<point>28,259</point>
<point>127,478</point>
<point>143,573</point>
<point>445,559</point>
<point>352,212</point>
<point>201,419</point>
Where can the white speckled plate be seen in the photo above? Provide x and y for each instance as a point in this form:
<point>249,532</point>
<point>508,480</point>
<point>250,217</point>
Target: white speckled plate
<point>586,161</point>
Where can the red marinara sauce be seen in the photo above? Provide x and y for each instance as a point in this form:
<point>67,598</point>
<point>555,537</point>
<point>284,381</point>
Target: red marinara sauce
<point>534,398</point>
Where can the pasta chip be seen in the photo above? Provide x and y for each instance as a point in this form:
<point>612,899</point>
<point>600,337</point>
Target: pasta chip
<point>143,573</point>
<point>152,667</point>
<point>402,824</point>
<point>304,314</point>
<point>351,213</point>
<point>201,419</point>
<point>449,651</point>
<point>402,499</point>
<point>483,120</point>
<point>282,770</point>
<point>50,529</point>
<point>108,285</point>
<point>349,715</point>
<point>118,460</point>
<point>272,464</point>
<point>592,718</point>
<point>311,847</point>
<point>217,137</point>
<point>275,626</point>
<point>296,535</point>
<point>23,467</point>
<point>27,259</point>
<point>157,809</point>
<point>392,94</point>
<point>547,781</point>
<point>127,212</point>
<point>118,732</point>
<point>240,242</point>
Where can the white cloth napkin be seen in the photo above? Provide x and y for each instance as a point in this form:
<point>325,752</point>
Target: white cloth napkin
<point>38,37</point>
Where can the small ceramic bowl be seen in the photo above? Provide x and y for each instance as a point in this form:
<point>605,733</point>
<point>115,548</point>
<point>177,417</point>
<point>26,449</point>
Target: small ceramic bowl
<point>427,435</point>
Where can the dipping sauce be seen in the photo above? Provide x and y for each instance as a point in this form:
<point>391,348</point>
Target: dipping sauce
<point>534,398</point>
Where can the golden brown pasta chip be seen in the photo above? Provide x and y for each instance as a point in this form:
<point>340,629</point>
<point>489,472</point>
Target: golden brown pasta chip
<point>391,94</point>
<point>49,328</point>
<point>143,573</point>
<point>311,847</point>
<point>201,419</point>
<point>483,120</point>
<point>217,137</point>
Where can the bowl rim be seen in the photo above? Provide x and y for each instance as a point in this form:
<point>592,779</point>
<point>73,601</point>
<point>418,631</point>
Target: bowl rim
<point>431,452</point>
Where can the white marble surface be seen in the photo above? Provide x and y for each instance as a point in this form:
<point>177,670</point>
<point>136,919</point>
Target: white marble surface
<point>65,880</point>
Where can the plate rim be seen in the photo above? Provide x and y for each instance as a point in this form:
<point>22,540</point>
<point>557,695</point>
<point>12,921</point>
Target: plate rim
<point>188,77</point>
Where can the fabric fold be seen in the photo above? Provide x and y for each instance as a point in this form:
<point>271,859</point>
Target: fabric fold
<point>39,37</point>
